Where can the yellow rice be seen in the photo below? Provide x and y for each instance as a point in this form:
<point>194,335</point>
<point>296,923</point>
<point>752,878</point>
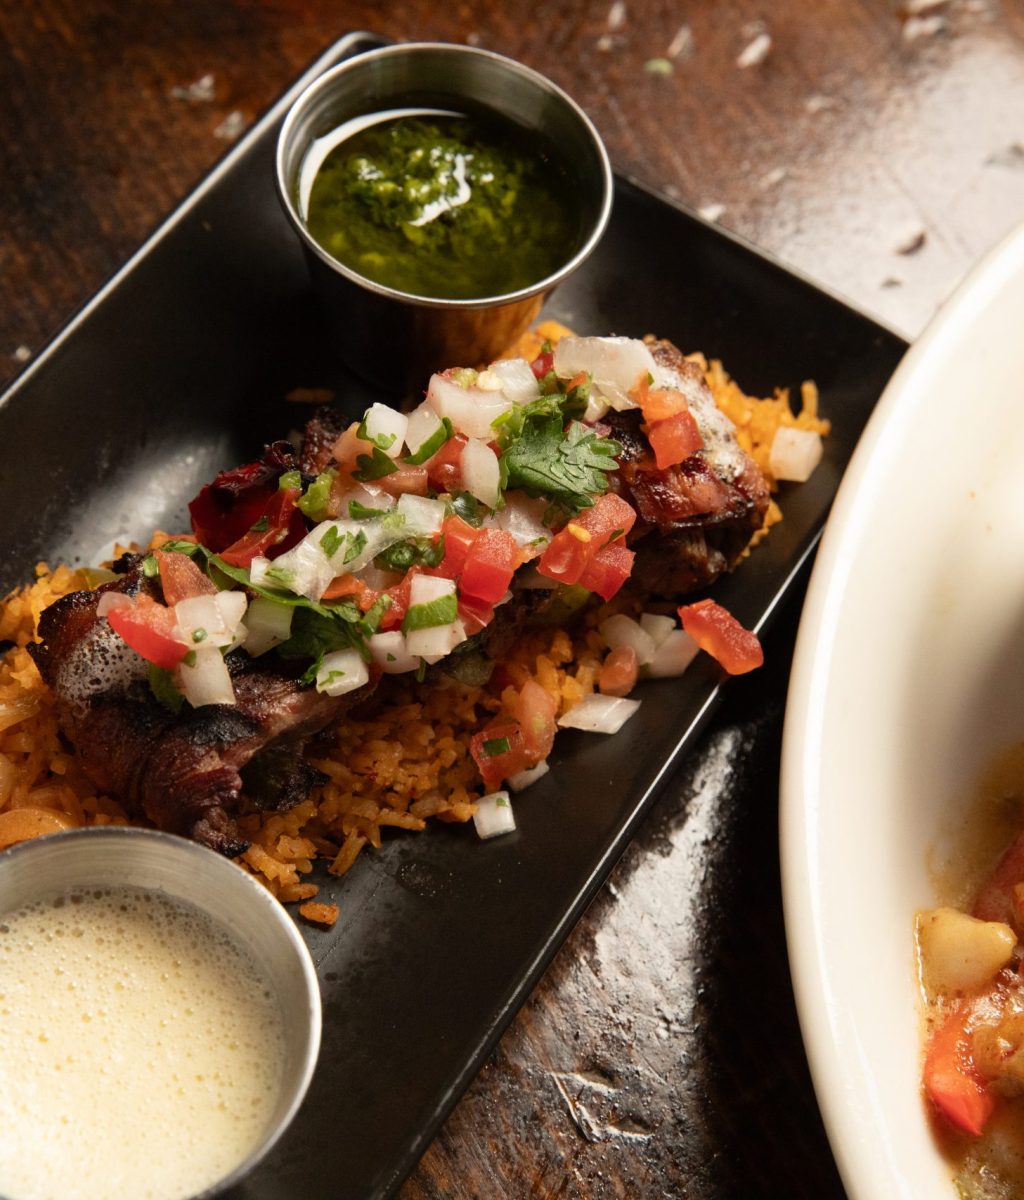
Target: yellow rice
<point>401,763</point>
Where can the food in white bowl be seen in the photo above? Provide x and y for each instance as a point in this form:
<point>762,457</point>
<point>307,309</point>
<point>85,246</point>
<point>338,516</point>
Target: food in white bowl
<point>908,680</point>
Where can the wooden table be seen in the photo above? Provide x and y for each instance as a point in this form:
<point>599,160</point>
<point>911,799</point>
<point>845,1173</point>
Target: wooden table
<point>874,147</point>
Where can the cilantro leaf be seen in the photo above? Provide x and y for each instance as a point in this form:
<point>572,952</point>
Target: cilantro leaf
<point>569,468</point>
<point>374,466</point>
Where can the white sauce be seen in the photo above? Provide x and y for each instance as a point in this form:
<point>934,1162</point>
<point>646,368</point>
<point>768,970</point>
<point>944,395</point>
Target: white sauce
<point>140,1050</point>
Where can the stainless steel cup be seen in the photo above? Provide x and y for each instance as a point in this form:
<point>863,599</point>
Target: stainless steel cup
<point>391,338</point>
<point>114,857</point>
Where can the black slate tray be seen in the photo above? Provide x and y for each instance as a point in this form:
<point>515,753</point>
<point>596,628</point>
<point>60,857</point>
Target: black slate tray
<point>178,368</point>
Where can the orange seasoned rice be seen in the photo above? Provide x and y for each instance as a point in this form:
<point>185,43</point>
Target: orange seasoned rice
<point>402,762</point>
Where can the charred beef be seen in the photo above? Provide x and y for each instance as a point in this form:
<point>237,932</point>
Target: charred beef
<point>694,520</point>
<point>191,772</point>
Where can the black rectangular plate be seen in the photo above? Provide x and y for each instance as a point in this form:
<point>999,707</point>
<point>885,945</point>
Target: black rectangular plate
<point>177,369</point>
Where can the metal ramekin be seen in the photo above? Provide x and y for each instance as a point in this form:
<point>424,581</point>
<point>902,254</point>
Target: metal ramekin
<point>141,858</point>
<point>392,338</point>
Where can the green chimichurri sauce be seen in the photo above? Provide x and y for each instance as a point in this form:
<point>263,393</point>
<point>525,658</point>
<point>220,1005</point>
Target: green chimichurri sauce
<point>445,206</point>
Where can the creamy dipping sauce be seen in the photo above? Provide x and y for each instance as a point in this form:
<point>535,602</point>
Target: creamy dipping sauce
<point>141,1052</point>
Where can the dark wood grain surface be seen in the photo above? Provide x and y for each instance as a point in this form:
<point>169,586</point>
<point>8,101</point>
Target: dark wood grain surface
<point>874,146</point>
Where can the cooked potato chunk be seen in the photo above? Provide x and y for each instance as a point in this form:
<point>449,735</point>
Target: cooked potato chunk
<point>959,952</point>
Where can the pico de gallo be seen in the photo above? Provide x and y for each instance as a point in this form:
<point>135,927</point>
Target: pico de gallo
<point>404,547</point>
<point>972,975</point>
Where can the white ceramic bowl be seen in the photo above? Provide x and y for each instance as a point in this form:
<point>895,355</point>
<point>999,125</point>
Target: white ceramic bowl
<point>908,679</point>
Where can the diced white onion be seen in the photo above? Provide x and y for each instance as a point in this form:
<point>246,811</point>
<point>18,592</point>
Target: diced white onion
<point>379,578</point>
<point>207,681</point>
<point>523,518</point>
<point>596,408</point>
<point>435,643</point>
<point>111,600</point>
<point>214,618</point>
<point>341,671</point>
<point>493,815</point>
<point>368,495</point>
<point>488,381</point>
<point>425,588</point>
<point>615,365</point>
<point>267,625</point>
<point>673,656</point>
<point>383,422</point>
<point>304,569</point>
<point>657,625</point>
<point>621,630</point>
<point>481,473</point>
<point>258,572</point>
<point>599,714</point>
<point>470,410</point>
<point>422,516</point>
<point>522,779</point>
<point>518,381</point>
<point>423,424</point>
<point>794,454</point>
<point>391,654</point>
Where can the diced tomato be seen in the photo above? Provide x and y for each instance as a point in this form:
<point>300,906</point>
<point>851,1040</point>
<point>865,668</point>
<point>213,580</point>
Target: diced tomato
<point>566,556</point>
<point>490,563</point>
<point>181,578</point>
<point>658,404</point>
<point>951,1080</point>
<point>344,585</point>
<point>674,439</point>
<point>494,762</point>
<point>399,594</point>
<point>279,527</point>
<point>610,514</point>
<point>608,570</point>
<point>444,469</point>
<point>458,536</point>
<point>226,509</point>
<point>348,448</point>
<point>535,709</point>
<point>718,632</point>
<point>405,481</point>
<point>148,627</point>
<point>572,549</point>
<point>619,672</point>
<point>543,364</point>
<point>475,614</point>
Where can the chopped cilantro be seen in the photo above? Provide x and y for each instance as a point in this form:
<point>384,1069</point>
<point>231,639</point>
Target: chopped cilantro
<point>495,746</point>
<point>261,526</point>
<point>374,466</point>
<point>442,611</point>
<point>281,575</point>
<point>150,567</point>
<point>190,659</point>
<point>359,512</point>
<point>199,635</point>
<point>371,619</point>
<point>568,467</point>
<point>468,508</point>
<point>330,541</point>
<point>357,546</point>
<point>421,671</point>
<point>413,552</point>
<point>180,546</point>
